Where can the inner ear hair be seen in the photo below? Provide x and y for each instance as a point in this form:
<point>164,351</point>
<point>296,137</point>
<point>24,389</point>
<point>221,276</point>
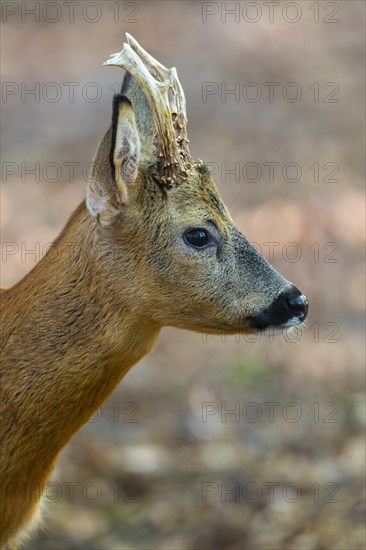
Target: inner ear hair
<point>125,145</point>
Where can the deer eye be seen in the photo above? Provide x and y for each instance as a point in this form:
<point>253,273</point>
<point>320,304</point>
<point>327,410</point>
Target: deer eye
<point>197,237</point>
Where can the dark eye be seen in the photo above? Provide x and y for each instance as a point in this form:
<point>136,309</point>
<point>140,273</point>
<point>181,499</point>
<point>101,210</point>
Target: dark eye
<point>197,237</point>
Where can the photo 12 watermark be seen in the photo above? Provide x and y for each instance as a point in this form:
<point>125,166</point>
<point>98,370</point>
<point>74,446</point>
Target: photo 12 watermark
<point>270,12</point>
<point>325,333</point>
<point>71,12</point>
<point>267,171</point>
<point>270,92</point>
<point>89,492</point>
<point>31,92</point>
<point>269,492</point>
<point>270,412</point>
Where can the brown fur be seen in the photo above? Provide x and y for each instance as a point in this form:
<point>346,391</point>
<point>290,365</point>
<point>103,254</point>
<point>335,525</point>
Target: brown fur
<point>95,304</point>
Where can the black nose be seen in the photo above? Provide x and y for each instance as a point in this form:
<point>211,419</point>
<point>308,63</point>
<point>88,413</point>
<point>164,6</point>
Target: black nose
<point>290,308</point>
<point>297,304</point>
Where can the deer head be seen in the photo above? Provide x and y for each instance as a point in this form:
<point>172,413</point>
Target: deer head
<point>183,260</point>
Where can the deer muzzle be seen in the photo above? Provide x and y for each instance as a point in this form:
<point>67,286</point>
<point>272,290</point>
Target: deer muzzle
<point>290,308</point>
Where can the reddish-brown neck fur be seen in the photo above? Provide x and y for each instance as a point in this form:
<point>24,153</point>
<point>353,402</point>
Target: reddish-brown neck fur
<point>67,345</point>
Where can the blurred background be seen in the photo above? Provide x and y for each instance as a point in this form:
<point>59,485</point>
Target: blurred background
<point>210,442</point>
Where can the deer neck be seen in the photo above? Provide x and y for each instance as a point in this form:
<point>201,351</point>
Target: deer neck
<point>76,344</point>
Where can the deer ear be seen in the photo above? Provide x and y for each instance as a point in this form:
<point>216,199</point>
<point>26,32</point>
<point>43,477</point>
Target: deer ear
<point>108,185</point>
<point>125,149</point>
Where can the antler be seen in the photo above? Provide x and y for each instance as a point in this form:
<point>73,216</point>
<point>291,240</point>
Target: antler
<point>167,102</point>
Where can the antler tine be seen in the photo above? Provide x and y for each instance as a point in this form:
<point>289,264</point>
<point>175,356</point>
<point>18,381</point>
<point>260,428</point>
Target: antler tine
<point>166,99</point>
<point>157,69</point>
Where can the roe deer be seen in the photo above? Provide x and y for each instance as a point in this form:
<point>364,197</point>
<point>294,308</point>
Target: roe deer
<point>152,245</point>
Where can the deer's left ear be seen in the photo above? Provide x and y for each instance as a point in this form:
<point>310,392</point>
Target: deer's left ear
<point>108,185</point>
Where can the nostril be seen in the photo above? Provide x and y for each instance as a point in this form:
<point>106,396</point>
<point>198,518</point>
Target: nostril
<point>290,308</point>
<point>298,305</point>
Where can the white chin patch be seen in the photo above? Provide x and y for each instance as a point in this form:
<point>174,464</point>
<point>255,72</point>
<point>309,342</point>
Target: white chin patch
<point>286,327</point>
<point>293,322</point>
